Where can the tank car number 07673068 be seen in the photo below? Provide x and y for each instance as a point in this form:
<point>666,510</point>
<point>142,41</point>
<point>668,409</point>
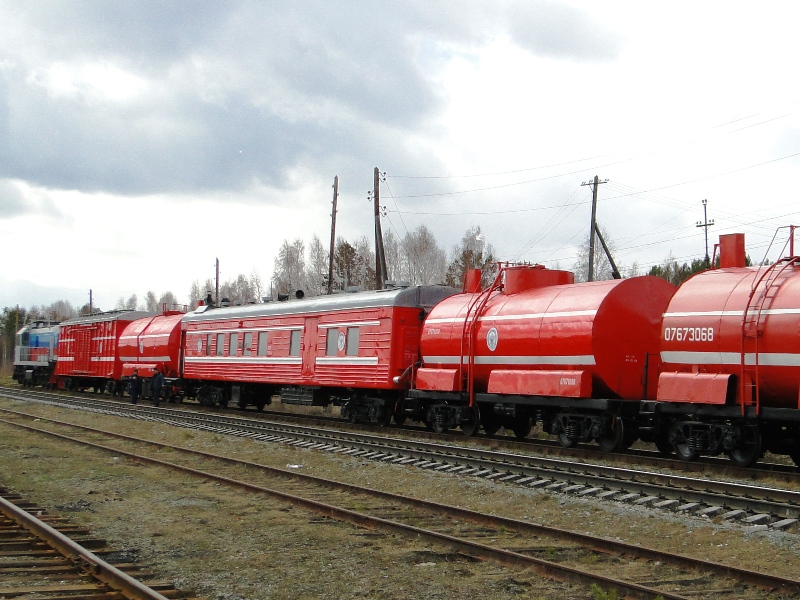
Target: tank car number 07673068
<point>689,334</point>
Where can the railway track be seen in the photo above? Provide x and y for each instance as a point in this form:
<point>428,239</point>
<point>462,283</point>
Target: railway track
<point>631,570</point>
<point>743,502</point>
<point>44,557</point>
<point>706,466</point>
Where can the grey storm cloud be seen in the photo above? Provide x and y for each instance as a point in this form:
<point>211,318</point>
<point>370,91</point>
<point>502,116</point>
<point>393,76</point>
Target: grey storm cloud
<point>239,92</point>
<point>557,30</point>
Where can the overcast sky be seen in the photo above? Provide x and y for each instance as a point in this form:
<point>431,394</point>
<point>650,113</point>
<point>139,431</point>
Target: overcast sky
<point>140,140</point>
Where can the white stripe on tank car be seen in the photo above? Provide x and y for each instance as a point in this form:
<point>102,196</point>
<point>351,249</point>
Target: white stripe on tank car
<point>732,313</point>
<point>103,359</point>
<point>143,358</point>
<point>771,359</point>
<point>587,359</point>
<point>524,317</point>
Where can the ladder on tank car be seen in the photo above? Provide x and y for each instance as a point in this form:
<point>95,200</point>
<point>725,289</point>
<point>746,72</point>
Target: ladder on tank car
<point>753,323</point>
<point>469,332</point>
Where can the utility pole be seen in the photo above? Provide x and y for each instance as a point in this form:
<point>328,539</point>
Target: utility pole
<point>705,224</point>
<point>333,234</point>
<point>90,301</point>
<point>216,280</point>
<point>593,225</point>
<point>380,256</point>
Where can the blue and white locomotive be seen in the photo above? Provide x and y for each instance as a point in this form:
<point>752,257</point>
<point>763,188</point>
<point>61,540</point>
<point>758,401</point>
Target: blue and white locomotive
<point>36,353</point>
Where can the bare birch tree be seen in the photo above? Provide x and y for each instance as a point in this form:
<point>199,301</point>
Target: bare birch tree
<point>289,272</point>
<point>425,262</point>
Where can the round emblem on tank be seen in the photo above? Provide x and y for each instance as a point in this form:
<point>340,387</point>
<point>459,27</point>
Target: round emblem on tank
<point>491,339</point>
<point>340,341</point>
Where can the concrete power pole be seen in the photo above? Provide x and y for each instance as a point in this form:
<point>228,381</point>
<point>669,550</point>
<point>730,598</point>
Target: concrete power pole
<point>593,225</point>
<point>380,256</point>
<point>333,234</point>
<point>705,224</point>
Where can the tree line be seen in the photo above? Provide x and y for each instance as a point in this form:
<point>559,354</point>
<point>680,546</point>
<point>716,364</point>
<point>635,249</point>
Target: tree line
<point>415,259</point>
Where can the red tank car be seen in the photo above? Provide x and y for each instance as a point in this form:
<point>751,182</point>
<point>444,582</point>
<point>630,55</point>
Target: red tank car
<point>541,344</point>
<point>153,343</point>
<point>347,349</point>
<point>87,350</point>
<point>731,373</point>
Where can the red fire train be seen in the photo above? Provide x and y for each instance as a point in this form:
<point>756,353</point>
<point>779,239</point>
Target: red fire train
<point>708,368</point>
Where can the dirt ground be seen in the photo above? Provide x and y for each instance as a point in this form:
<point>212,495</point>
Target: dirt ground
<point>229,545</point>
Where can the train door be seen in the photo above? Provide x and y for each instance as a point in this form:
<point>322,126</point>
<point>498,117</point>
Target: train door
<point>309,348</point>
<point>83,349</point>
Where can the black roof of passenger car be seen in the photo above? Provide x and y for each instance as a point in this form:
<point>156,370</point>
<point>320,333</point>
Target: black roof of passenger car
<point>424,297</point>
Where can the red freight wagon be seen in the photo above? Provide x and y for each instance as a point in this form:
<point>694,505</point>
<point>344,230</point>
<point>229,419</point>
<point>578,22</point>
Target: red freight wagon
<point>87,350</point>
<point>344,349</point>
<point>539,344</point>
<point>150,343</point>
<point>731,379</point>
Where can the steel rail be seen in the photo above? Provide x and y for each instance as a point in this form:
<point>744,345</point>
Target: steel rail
<point>86,560</point>
<point>734,496</point>
<point>763,580</point>
<point>483,551</point>
<point>581,451</point>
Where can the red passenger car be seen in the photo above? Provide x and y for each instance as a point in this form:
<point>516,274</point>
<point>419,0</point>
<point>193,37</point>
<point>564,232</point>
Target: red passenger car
<point>347,349</point>
<point>87,350</point>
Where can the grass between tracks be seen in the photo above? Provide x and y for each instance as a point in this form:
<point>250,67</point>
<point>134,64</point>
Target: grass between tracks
<point>228,544</point>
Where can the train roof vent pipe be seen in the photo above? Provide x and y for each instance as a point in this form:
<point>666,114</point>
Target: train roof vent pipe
<point>528,277</point>
<point>282,297</point>
<point>731,251</point>
<point>299,294</point>
<point>472,281</point>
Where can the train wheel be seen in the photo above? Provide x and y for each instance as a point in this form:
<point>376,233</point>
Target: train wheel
<point>489,421</point>
<point>522,427</point>
<point>471,428</point>
<point>749,450</point>
<point>615,440</point>
<point>384,417</point>
<point>795,456</point>
<point>663,446</point>
<point>399,418</point>
<point>491,427</point>
<point>565,441</point>
<point>681,445</point>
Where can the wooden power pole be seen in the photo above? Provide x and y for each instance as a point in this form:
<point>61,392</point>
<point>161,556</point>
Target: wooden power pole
<point>333,234</point>
<point>705,224</point>
<point>593,226</point>
<point>216,283</point>
<point>380,257</point>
